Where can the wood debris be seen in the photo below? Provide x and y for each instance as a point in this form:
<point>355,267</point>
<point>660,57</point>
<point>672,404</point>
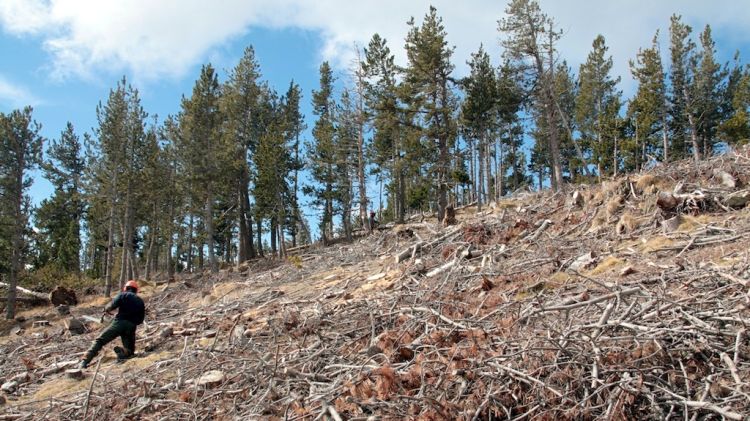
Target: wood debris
<point>524,312</point>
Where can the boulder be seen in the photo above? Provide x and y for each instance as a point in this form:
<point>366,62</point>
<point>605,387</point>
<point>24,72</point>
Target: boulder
<point>61,295</point>
<point>75,326</point>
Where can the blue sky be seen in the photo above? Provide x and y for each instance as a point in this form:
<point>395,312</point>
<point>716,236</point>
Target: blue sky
<point>63,56</point>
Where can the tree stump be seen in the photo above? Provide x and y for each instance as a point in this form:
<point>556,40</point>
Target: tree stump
<point>75,326</point>
<point>450,216</point>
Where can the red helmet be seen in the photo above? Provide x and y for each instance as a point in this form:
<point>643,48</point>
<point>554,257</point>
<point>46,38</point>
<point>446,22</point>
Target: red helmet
<point>132,284</point>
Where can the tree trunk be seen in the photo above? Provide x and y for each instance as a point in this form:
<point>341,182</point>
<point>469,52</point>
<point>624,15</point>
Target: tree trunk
<point>664,135</point>
<point>189,265</point>
<point>259,227</point>
<point>127,238</point>
<point>480,176</point>
<point>210,230</point>
<point>273,235</point>
<point>110,241</point>
<point>16,241</point>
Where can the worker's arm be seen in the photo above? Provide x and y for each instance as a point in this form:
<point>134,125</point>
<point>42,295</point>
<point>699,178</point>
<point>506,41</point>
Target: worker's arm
<point>113,305</point>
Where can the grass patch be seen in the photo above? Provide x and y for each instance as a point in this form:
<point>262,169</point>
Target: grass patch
<point>656,244</point>
<point>610,263</point>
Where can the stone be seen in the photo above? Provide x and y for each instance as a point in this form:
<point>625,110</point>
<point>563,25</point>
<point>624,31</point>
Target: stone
<point>9,387</point>
<point>63,295</point>
<point>211,379</point>
<point>75,326</point>
<point>63,309</point>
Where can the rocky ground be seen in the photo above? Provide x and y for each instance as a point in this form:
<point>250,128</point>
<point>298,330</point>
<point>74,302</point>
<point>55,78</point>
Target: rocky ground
<point>624,300</point>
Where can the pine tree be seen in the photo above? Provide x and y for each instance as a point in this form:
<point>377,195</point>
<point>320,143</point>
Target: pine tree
<point>648,108</point>
<point>59,217</point>
<point>530,44</point>
<point>20,153</point>
<point>427,78</point>
<point>240,105</point>
<point>479,119</point>
<point>204,151</point>
<point>708,91</point>
<point>321,153</point>
<point>382,106</point>
<point>682,93</point>
<point>735,129</point>
<point>294,126</point>
<point>510,140</point>
<point>597,107</point>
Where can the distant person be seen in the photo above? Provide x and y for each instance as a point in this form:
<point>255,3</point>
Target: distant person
<point>373,222</point>
<point>130,313</point>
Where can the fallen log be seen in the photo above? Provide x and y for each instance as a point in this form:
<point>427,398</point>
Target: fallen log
<point>39,295</point>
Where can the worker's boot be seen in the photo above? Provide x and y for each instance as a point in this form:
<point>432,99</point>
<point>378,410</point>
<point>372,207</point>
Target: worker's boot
<point>121,353</point>
<point>83,364</point>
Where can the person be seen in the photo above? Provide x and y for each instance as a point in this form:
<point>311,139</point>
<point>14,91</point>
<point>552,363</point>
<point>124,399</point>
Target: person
<point>130,313</point>
<point>373,222</point>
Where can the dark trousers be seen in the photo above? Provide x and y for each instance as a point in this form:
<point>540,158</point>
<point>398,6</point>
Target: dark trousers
<point>122,328</point>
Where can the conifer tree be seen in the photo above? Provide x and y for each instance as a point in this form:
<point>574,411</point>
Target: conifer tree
<point>682,93</point>
<point>735,129</point>
<point>294,126</point>
<point>428,81</point>
<point>708,92</point>
<point>530,43</point>
<point>59,217</point>
<point>203,150</point>
<point>321,153</point>
<point>382,105</point>
<point>647,110</point>
<point>597,107</point>
<point>241,100</point>
<point>20,153</point>
<point>479,117</point>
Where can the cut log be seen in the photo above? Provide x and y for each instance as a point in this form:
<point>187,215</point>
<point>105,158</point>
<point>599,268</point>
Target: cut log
<point>74,373</point>
<point>211,379</point>
<point>58,367</point>
<point>667,201</point>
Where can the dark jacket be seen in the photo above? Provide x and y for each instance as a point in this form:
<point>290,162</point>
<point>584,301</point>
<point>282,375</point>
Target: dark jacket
<point>131,307</point>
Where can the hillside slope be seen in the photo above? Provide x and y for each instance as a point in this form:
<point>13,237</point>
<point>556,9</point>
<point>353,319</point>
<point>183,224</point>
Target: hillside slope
<point>627,300</point>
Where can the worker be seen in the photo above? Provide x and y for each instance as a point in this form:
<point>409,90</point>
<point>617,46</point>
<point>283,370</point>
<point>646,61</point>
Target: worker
<point>130,313</point>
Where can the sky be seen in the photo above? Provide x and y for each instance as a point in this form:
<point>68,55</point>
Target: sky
<point>63,56</point>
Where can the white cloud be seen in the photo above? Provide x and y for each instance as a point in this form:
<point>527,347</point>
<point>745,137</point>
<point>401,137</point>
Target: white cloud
<point>164,38</point>
<point>15,96</point>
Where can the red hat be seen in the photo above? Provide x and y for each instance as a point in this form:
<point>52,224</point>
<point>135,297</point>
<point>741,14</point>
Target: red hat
<point>132,284</point>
